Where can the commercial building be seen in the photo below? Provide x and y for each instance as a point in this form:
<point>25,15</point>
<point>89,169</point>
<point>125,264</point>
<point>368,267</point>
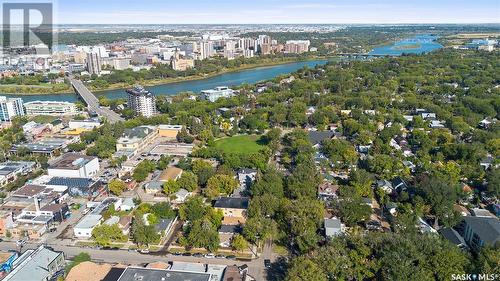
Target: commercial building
<point>152,274</point>
<point>88,124</point>
<point>74,165</point>
<point>10,108</point>
<point>50,108</point>
<point>141,101</point>
<point>9,171</point>
<point>93,63</point>
<point>217,93</point>
<point>180,63</point>
<point>136,138</point>
<point>36,265</point>
<point>119,63</point>
<point>169,131</point>
<point>46,146</point>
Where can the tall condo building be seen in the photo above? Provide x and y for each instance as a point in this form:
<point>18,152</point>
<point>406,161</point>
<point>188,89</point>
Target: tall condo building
<point>141,101</point>
<point>93,63</point>
<point>206,49</point>
<point>10,107</point>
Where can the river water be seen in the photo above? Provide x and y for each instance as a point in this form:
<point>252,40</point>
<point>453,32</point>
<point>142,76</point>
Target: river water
<point>249,76</point>
<point>417,45</point>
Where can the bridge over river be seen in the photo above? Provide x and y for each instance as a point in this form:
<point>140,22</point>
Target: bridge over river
<point>93,103</point>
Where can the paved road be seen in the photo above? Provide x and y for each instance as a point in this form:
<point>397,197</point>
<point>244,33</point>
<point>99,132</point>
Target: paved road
<point>255,267</point>
<point>93,103</point>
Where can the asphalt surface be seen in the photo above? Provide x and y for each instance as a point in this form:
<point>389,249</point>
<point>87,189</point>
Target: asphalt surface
<point>255,267</point>
<point>93,103</point>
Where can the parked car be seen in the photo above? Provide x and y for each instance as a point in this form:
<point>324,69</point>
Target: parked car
<point>267,263</point>
<point>186,254</point>
<point>231,257</point>
<point>220,257</point>
<point>210,256</point>
<point>198,255</point>
<point>145,251</point>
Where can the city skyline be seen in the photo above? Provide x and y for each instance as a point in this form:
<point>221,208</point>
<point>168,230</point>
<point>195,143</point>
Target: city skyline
<point>276,12</point>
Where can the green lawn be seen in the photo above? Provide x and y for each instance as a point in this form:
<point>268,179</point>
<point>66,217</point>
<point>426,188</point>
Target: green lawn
<point>239,144</point>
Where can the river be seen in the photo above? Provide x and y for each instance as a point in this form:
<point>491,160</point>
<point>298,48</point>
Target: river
<point>249,76</point>
<point>419,44</point>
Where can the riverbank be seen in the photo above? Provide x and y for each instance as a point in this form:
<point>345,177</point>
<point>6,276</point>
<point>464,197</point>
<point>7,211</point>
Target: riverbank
<point>47,90</point>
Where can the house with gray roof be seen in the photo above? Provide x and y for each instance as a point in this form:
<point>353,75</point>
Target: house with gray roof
<point>480,231</point>
<point>333,227</point>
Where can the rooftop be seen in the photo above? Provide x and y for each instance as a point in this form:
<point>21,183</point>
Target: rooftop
<point>89,221</point>
<point>171,173</point>
<point>32,265</point>
<point>316,137</point>
<point>29,190</point>
<point>88,271</point>
<point>332,223</point>
<point>71,161</point>
<point>232,203</point>
<point>151,274</point>
<point>488,228</point>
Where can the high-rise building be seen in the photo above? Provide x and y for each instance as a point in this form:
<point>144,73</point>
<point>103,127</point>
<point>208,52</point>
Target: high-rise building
<point>141,101</point>
<point>93,63</point>
<point>246,43</point>
<point>206,50</point>
<point>10,107</point>
<point>297,46</point>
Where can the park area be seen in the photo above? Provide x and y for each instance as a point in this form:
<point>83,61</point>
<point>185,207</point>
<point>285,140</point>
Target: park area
<point>243,144</point>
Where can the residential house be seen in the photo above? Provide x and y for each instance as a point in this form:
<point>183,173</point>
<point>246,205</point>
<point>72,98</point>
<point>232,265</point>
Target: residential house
<point>453,237</point>
<point>479,231</point>
<point>226,234</point>
<point>385,185</point>
<point>327,191</point>
<point>317,137</point>
<point>333,227</point>
<point>181,196</point>
<point>234,209</point>
<point>246,177</point>
<point>127,204</point>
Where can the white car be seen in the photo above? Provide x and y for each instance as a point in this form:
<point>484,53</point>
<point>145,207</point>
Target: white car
<point>210,256</point>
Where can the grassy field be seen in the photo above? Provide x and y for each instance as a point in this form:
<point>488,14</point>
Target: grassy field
<point>239,144</point>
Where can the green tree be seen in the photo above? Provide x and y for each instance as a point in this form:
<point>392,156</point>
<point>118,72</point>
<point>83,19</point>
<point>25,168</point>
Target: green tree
<point>269,182</point>
<point>116,187</point>
<point>105,234</point>
<point>239,243</point>
<point>81,257</point>
<point>188,181</point>
<point>304,269</point>
<point>170,187</point>
<point>203,234</point>
<point>144,234</point>
<point>193,209</point>
<point>220,184</point>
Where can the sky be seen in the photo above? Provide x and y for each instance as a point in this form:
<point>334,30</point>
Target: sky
<point>275,11</point>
